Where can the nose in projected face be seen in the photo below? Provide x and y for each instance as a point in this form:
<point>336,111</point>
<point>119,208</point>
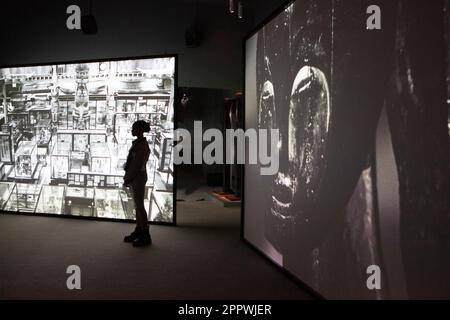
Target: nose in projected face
<point>308,124</point>
<point>309,114</point>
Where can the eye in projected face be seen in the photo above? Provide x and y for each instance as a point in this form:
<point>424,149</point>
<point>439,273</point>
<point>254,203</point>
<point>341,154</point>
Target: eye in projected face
<point>266,116</point>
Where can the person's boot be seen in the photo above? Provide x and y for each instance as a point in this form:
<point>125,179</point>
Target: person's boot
<point>144,238</point>
<point>132,236</point>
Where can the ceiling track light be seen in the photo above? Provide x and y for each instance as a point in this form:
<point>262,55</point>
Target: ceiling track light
<point>240,10</point>
<point>231,8</point>
<point>240,7</point>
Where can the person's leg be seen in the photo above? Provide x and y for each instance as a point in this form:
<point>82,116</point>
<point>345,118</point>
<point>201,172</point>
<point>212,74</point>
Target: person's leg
<point>138,197</point>
<point>135,234</point>
<point>141,214</point>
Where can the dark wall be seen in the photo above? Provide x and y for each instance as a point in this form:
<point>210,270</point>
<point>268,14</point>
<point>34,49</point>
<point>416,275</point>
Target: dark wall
<point>208,106</point>
<point>263,9</point>
<point>35,32</point>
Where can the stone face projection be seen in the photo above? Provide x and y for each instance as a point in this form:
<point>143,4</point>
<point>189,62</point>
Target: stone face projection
<point>364,147</point>
<point>66,131</point>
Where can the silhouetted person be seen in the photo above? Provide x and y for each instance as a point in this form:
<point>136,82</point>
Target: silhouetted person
<point>136,178</point>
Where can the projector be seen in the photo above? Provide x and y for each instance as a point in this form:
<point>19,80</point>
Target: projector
<point>193,36</point>
<point>88,24</point>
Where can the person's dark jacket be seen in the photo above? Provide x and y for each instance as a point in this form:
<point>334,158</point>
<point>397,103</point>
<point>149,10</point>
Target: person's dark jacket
<point>137,159</point>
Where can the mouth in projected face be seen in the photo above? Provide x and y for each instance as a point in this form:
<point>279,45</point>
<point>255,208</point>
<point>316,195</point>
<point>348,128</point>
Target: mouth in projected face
<point>282,197</point>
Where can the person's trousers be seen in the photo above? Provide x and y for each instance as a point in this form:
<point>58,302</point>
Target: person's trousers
<point>138,192</point>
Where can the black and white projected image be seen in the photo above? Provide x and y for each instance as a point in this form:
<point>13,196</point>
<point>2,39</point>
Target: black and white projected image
<point>66,131</point>
<point>364,147</point>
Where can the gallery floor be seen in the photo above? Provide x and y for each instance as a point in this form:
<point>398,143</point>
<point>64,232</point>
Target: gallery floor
<point>201,258</point>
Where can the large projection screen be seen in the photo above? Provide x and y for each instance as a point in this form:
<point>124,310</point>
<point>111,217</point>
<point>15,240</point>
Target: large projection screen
<point>66,131</point>
<point>360,205</point>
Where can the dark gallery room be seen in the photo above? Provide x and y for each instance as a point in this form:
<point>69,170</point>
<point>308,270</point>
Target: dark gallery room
<point>240,151</point>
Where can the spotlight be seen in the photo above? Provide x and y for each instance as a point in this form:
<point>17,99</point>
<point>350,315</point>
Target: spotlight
<point>240,10</point>
<point>231,6</point>
<point>89,24</point>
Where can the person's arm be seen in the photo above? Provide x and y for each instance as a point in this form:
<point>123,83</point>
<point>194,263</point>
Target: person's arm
<point>136,164</point>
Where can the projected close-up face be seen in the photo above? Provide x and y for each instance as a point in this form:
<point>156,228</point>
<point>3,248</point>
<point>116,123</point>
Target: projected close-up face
<point>294,98</point>
<point>363,175</point>
<point>66,130</point>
